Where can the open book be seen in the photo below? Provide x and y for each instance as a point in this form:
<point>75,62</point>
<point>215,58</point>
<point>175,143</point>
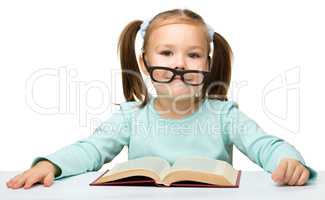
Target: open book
<point>185,172</point>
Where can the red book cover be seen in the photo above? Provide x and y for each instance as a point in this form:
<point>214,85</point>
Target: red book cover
<point>146,181</point>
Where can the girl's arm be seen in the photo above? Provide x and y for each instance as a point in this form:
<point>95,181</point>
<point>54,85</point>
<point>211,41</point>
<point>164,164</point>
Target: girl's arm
<point>266,150</point>
<point>89,154</point>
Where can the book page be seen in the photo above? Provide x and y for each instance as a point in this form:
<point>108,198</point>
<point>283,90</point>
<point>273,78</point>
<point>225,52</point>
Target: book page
<point>151,163</point>
<point>202,164</point>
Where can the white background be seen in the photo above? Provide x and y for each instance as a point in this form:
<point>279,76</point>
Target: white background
<point>278,73</point>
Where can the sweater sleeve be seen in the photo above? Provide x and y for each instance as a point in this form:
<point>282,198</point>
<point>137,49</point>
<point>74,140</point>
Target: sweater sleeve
<point>89,154</point>
<point>263,149</point>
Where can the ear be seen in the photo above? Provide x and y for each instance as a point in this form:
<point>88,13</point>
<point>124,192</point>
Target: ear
<point>142,66</point>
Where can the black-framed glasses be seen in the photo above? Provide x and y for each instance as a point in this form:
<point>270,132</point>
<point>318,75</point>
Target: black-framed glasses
<point>163,74</point>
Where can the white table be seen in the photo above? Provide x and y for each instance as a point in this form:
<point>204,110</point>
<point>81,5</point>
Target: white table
<point>253,185</point>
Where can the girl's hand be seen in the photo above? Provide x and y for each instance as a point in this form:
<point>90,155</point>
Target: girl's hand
<point>43,171</point>
<point>291,172</point>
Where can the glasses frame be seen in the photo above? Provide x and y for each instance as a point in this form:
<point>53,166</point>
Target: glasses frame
<point>176,71</point>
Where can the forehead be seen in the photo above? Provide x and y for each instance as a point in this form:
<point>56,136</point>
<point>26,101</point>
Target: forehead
<point>178,33</point>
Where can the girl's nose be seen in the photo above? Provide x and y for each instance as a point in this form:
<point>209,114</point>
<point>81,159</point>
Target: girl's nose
<point>179,62</point>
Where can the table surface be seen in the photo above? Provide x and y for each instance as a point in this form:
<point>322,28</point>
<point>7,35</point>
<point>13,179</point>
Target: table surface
<point>253,185</point>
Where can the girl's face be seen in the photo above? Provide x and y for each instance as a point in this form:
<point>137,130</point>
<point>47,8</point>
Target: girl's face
<point>177,45</point>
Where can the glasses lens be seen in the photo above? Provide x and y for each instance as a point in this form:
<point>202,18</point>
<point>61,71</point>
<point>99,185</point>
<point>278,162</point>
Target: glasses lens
<point>193,78</point>
<point>162,75</point>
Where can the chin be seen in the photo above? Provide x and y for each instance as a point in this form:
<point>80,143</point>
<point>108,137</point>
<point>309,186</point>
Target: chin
<point>175,89</point>
<point>177,93</point>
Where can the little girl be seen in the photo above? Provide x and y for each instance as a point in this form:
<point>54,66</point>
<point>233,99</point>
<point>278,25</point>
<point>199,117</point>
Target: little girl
<point>190,115</point>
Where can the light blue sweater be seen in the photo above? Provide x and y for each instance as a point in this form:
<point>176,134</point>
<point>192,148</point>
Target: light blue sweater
<point>211,131</point>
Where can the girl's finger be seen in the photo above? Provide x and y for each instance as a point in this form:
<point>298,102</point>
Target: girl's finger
<point>18,181</point>
<point>48,180</point>
<point>279,173</point>
<point>32,179</point>
<point>17,177</point>
<point>289,172</point>
<point>303,178</point>
<point>296,175</point>
<point>13,180</point>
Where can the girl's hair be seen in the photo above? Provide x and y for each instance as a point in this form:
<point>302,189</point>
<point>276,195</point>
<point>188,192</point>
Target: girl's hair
<point>218,79</point>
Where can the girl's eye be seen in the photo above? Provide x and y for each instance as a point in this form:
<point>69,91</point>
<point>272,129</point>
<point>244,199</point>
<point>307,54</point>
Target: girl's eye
<point>194,55</point>
<point>166,53</point>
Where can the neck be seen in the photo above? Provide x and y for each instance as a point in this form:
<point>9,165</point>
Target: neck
<point>175,107</point>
